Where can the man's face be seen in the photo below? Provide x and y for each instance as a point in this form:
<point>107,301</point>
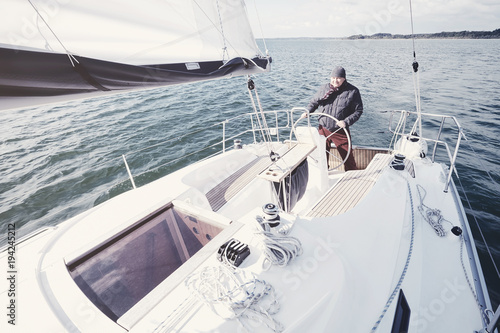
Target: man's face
<point>337,81</point>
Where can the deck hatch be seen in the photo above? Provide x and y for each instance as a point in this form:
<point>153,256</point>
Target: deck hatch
<point>402,315</point>
<point>123,270</point>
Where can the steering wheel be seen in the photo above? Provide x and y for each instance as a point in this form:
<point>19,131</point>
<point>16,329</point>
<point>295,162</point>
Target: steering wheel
<point>317,115</point>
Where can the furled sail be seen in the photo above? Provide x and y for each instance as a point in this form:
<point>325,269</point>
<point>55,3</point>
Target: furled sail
<point>62,47</point>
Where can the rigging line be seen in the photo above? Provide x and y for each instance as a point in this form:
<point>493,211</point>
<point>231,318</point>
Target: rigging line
<point>412,32</point>
<point>482,164</point>
<point>216,28</point>
<point>259,113</point>
<point>261,127</point>
<point>416,76</point>
<point>260,27</point>
<point>70,56</point>
<point>482,311</point>
<point>179,40</point>
<point>398,131</point>
<point>479,227</point>
<point>264,120</point>
<point>416,83</point>
<point>224,52</point>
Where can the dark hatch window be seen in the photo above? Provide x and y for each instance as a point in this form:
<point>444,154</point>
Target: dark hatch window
<point>119,273</point>
<point>401,320</point>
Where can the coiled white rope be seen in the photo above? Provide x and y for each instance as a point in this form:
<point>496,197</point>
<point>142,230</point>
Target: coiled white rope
<point>278,249</point>
<point>234,294</point>
<point>432,216</point>
<point>435,220</point>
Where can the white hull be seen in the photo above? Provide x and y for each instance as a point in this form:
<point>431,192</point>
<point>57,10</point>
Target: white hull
<point>349,277</point>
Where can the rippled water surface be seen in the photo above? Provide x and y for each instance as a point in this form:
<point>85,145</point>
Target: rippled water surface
<point>59,160</point>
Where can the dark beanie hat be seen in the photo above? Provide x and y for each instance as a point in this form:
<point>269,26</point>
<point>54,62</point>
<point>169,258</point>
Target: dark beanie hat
<point>338,72</point>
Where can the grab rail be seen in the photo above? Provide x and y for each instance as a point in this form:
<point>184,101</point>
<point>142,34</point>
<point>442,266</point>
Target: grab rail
<point>452,157</point>
<point>285,122</point>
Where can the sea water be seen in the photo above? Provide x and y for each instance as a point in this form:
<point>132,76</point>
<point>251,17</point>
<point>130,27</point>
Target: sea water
<point>59,160</point>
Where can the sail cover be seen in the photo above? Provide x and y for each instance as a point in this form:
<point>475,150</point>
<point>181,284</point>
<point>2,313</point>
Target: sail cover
<point>57,47</point>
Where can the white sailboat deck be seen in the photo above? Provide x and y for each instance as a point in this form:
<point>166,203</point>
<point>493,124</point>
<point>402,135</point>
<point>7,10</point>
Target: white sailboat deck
<point>363,241</point>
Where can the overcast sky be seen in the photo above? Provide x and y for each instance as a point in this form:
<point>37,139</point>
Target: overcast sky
<point>342,18</point>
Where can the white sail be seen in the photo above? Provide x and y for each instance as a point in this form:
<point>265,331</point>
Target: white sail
<point>65,47</point>
<point>138,33</point>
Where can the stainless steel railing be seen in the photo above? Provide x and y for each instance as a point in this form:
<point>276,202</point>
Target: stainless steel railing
<point>404,119</point>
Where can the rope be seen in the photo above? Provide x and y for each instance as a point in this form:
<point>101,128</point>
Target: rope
<point>288,193</point>
<point>278,249</point>
<point>261,119</point>
<point>412,33</point>
<point>231,294</point>
<point>473,211</point>
<point>398,131</point>
<point>435,219</point>
<point>405,269</point>
<point>260,26</point>
<point>479,228</point>
<point>72,59</point>
<point>432,216</point>
<point>217,28</point>
<point>265,131</point>
<point>263,126</point>
<point>418,122</point>
<point>481,310</point>
<point>481,162</point>
<point>416,83</point>
<point>224,48</point>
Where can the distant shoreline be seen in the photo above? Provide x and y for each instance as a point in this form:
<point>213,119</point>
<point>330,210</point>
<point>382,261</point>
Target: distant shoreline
<point>452,35</point>
<point>495,34</point>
